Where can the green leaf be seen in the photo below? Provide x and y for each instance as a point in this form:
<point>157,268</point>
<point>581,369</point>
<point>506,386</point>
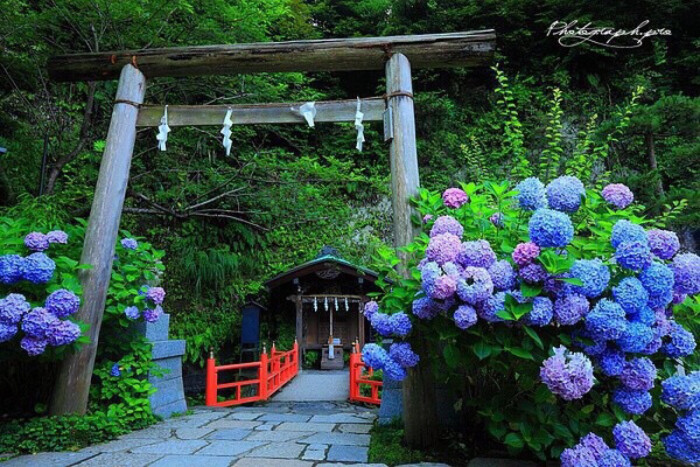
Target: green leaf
<point>530,290</point>
<point>482,350</point>
<point>571,280</point>
<point>605,419</point>
<point>533,335</point>
<point>514,440</point>
<point>521,353</point>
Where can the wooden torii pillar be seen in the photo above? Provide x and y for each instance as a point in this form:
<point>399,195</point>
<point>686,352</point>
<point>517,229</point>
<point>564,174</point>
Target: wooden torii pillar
<point>395,54</point>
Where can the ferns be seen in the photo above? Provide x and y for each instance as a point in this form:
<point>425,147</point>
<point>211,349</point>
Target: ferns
<point>551,154</point>
<point>212,268</point>
<point>474,158</point>
<point>513,138</point>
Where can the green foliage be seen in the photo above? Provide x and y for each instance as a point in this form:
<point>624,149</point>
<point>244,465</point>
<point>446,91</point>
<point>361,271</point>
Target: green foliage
<point>311,358</point>
<point>386,447</point>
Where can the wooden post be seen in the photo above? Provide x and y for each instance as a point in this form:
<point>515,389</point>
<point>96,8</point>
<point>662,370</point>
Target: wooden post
<point>262,376</point>
<point>73,383</point>
<point>210,395</point>
<point>299,328</point>
<point>419,412</point>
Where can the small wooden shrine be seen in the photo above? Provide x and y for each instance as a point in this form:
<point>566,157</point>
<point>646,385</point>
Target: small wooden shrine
<point>326,297</point>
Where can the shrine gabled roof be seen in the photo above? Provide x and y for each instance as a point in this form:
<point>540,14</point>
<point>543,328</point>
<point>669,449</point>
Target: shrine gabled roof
<point>318,264</point>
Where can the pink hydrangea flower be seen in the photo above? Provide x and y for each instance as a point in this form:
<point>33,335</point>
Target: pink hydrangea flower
<point>454,198</point>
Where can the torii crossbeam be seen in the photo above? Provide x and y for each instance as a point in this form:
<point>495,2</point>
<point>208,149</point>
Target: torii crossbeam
<point>395,54</point>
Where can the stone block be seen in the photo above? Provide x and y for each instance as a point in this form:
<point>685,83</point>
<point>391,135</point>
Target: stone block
<point>226,423</point>
<point>355,428</point>
<point>195,460</point>
<point>244,415</point>
<point>277,436</point>
<point>279,451</point>
<point>345,439</point>
<point>391,407</point>
<point>119,445</point>
<point>170,368</point>
<point>192,433</point>
<point>284,417</point>
<point>347,453</point>
<point>149,433</point>
<point>295,426</point>
<point>165,349</point>
<point>337,418</point>
<point>48,459</point>
<point>119,459</point>
<point>262,462</point>
<point>315,452</point>
<point>230,434</point>
<point>174,446</point>
<point>168,391</point>
<point>157,331</point>
<point>229,448</point>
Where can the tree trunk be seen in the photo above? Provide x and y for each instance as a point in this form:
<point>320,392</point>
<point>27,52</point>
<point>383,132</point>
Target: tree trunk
<point>73,383</point>
<point>651,156</point>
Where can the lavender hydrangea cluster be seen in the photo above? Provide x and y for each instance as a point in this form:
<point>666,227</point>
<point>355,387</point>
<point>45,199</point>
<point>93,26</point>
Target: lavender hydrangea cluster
<point>569,375</point>
<point>129,243</point>
<point>618,195</point>
<point>565,193</point>
<point>531,194</point>
<point>454,198</point>
<point>682,392</point>
<point>154,297</point>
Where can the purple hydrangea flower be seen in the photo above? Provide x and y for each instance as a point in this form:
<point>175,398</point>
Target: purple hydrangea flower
<point>663,243</point>
<point>549,228</point>
<point>11,267</point>
<point>381,322</point>
<point>635,337</point>
<point>595,443</point>
<point>62,303</point>
<point>371,308</point>
<point>578,456</point>
<point>679,447</point>
<point>402,354</point>
<point>567,374</point>
<point>63,333</point>
<point>454,198</point>
<point>531,194</point>
<point>57,236</point>
<point>678,297</point>
<point>133,312</point>
<point>625,231</point>
<point>657,278</point>
<point>443,248</point>
<point>502,275</point>
<point>525,253</point>
<point>606,321</point>
<point>682,392</point>
<point>488,308</point>
<point>443,288</point>
<point>36,241</point>
<point>614,458</point>
<point>393,370</point>
<point>129,243</point>
<point>38,323</point>
<point>497,219</point>
<point>593,273</point>
<point>632,401</point>
<point>38,268</point>
<point>564,193</point>
<point>477,253</point>
<point>631,295</point>
<point>631,440</point>
<point>152,315</point>
<point>618,195</point>
<point>374,356</point>
<point>115,371</point>
<point>633,255</point>
<point>639,374</point>
<point>7,331</point>
<point>13,307</point>
<point>453,270</point>
<point>533,273</point>
<point>612,362</point>
<point>156,295</point>
<point>660,301</point>
<point>682,342</point>
<point>541,313</point>
<point>425,308</point>
<point>569,309</point>
<point>475,285</point>
<point>447,224</point>
<point>465,317</point>
<point>400,324</point>
<point>686,271</point>
<point>427,218</point>
<point>33,345</point>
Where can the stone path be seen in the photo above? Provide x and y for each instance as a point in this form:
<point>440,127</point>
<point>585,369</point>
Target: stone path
<point>279,434</point>
<point>316,385</point>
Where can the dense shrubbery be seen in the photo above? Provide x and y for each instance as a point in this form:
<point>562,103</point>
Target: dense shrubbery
<point>552,320</point>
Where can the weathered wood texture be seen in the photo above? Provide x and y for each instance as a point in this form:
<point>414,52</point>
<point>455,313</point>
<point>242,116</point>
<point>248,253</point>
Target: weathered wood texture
<point>73,383</point>
<point>470,48</point>
<point>299,323</point>
<point>326,111</point>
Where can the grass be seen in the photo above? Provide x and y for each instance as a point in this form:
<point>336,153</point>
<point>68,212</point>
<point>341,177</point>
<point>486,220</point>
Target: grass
<point>386,446</point>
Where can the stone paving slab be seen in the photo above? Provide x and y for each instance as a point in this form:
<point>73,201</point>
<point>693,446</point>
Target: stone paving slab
<point>229,433</point>
<point>315,452</point>
<point>312,385</point>
<point>284,417</point>
<point>337,418</point>
<point>278,436</point>
<point>120,459</point>
<point>279,451</point>
<point>261,462</point>
<point>355,428</point>
<point>192,433</point>
<point>229,448</point>
<point>119,445</point>
<point>232,424</point>
<point>48,459</point>
<point>347,453</point>
<point>295,426</point>
<point>175,446</point>
<point>345,439</point>
<point>149,433</point>
<point>245,415</point>
<point>194,460</point>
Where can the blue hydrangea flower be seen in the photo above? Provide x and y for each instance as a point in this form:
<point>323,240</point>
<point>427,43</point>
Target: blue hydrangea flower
<point>442,288</point>
<point>443,248</point>
<point>593,273</point>
<point>564,193</point>
<point>625,231</point>
<point>393,370</point>
<point>614,458</point>
<point>402,354</point>
<point>133,312</point>
<point>645,316</point>
<point>152,315</point>
<point>477,253</point>
<point>595,443</point>
<point>549,228</point>
<point>63,333</point>
<point>447,224</point>
<point>631,440</point>
<point>657,278</point>
<point>374,356</point>
<point>13,307</point>
<point>62,303</point>
<point>634,256</point>
<point>568,375</point>
<point>115,371</point>
<point>502,275</point>
<point>533,273</point>
<point>606,321</point>
<point>680,448</point>
<point>663,243</point>
<point>531,194</point>
<point>400,324</point>
<point>33,345</point>
<point>57,236</point>
<point>492,305</point>
<point>618,195</point>
<point>611,362</point>
<point>129,243</point>
<point>630,294</point>
<point>578,456</point>
<point>639,374</point>
<point>465,317</point>
<point>36,241</point>
<point>425,308</point>
<point>475,285</point>
<point>569,309</point>
<point>7,331</point>
<point>682,392</point>
<point>371,308</point>
<point>635,337</point>
<point>632,401</point>
<point>660,301</point>
<point>428,274</point>
<point>38,268</point>
<point>497,219</point>
<point>682,342</point>
<point>453,270</point>
<point>11,267</point>
<point>686,271</point>
<point>38,322</point>
<point>541,313</point>
<point>381,322</point>
<point>689,425</point>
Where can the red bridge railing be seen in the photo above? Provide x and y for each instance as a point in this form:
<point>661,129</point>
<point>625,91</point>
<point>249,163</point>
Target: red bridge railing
<point>361,374</point>
<point>272,372</point>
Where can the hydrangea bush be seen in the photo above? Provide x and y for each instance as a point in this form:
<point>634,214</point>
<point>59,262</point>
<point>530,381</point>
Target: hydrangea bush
<point>556,312</point>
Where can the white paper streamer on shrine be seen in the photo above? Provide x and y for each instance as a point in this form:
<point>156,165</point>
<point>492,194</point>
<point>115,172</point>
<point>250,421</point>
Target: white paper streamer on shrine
<point>163,130</point>
<point>308,111</point>
<point>226,131</point>
<point>359,126</point>
<point>325,303</point>
<point>315,304</point>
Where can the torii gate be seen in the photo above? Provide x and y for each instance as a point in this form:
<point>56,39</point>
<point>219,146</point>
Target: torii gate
<point>395,54</point>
